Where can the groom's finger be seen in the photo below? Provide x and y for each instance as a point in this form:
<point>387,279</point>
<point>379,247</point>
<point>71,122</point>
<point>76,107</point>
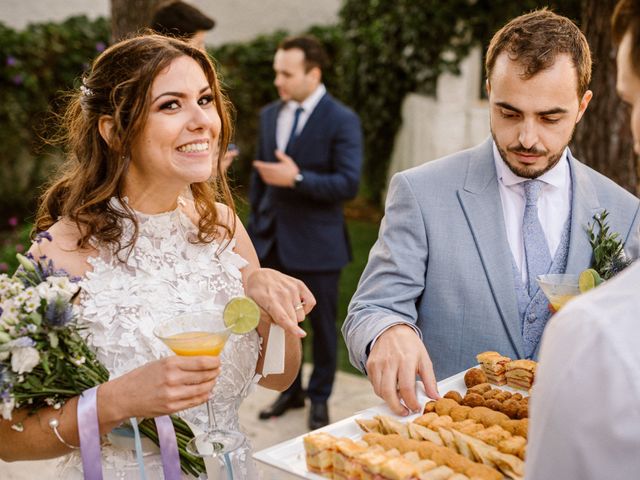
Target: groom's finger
<point>425,370</point>
<point>389,391</point>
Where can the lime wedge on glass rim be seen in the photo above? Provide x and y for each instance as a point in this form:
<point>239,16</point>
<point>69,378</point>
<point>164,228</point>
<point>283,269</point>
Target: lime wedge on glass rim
<point>588,279</point>
<point>241,315</point>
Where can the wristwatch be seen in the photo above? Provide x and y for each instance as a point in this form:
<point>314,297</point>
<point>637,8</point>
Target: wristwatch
<point>297,180</point>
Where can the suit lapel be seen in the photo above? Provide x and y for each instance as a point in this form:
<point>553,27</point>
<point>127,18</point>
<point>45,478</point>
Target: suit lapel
<point>271,124</point>
<point>482,206</point>
<point>584,204</point>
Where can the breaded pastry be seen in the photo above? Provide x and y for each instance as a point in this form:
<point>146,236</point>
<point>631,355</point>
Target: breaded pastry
<point>454,395</point>
<point>474,376</point>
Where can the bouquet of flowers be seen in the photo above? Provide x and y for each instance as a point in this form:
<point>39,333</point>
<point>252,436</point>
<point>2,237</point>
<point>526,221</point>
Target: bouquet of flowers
<point>43,358</point>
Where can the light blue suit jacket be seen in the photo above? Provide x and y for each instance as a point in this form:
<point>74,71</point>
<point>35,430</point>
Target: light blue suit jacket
<point>442,261</point>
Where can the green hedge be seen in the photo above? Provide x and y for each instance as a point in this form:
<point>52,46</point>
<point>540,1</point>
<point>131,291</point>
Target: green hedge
<point>37,63</point>
<point>380,51</point>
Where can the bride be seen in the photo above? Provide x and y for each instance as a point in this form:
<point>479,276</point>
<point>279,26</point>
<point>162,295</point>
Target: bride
<point>134,214</point>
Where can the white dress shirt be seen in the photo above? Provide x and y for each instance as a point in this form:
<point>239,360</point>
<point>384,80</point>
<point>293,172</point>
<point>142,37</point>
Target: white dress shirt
<point>554,206</point>
<point>288,111</point>
<point>585,406</point>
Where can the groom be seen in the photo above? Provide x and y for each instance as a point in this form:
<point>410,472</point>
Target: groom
<point>464,237</point>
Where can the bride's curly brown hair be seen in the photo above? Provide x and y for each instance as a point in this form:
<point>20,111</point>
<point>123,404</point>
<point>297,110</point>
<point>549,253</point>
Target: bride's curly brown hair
<point>119,85</point>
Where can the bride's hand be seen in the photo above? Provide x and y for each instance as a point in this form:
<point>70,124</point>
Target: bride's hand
<point>281,298</point>
<point>162,387</point>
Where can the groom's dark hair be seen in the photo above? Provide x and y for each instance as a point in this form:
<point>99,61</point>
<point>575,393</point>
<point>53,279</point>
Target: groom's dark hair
<point>535,39</point>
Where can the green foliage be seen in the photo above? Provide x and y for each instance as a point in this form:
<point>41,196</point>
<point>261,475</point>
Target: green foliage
<point>395,48</point>
<point>38,63</point>
<point>608,249</point>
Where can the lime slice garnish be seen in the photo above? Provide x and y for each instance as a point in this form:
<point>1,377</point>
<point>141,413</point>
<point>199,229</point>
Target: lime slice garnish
<point>241,314</point>
<point>588,279</point>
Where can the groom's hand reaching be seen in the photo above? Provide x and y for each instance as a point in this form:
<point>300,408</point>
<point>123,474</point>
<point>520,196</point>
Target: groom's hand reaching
<point>396,359</point>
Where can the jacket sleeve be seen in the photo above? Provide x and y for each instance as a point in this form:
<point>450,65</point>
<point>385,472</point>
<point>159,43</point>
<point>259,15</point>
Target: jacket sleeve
<point>346,156</point>
<point>394,278</point>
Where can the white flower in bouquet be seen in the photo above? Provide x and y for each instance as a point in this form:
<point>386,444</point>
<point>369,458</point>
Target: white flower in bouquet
<point>57,288</point>
<point>24,359</point>
<point>6,408</point>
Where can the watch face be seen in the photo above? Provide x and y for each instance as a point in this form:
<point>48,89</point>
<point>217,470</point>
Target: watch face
<point>298,178</point>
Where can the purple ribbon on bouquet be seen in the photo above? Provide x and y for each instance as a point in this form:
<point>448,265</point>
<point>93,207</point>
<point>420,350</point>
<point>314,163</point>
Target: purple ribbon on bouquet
<point>89,432</point>
<point>168,448</point>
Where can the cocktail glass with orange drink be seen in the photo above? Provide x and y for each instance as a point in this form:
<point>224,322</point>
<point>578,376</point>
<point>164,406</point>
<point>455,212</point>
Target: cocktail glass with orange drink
<point>559,288</point>
<point>201,333</point>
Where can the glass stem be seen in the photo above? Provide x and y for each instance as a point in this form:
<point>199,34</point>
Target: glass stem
<point>212,416</point>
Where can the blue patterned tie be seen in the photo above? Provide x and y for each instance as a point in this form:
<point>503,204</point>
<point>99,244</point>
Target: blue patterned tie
<point>535,243</point>
<point>294,128</point>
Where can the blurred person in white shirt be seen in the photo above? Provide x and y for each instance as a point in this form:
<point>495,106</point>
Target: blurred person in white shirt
<point>585,412</point>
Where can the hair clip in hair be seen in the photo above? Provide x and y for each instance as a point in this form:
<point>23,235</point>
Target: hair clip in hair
<point>86,91</point>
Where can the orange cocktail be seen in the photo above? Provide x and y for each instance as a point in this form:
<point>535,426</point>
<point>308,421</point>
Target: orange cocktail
<point>191,344</point>
<point>194,334</point>
<point>559,288</point>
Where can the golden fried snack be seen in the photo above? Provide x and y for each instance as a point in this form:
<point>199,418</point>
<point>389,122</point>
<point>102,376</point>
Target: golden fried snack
<point>510,408</point>
<point>426,419</point>
<point>480,388</point>
<point>493,435</point>
<point>514,446</point>
<point>493,404</point>
<point>368,424</point>
<point>442,421</point>
<point>486,416</point>
<point>440,455</point>
<point>516,427</point>
<point>491,393</point>
<point>430,406</point>
<point>444,406</point>
<point>502,395</point>
<point>420,432</point>
<point>517,396</point>
<point>523,411</point>
<point>459,413</point>
<point>474,376</point>
<point>453,395</point>
<point>473,400</point>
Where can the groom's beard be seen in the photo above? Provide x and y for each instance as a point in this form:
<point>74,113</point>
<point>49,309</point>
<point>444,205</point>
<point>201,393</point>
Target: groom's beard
<point>526,171</point>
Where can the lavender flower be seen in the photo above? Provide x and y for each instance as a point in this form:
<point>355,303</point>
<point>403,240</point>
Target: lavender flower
<point>17,79</point>
<point>42,236</point>
<point>100,47</point>
<point>11,61</point>
<point>58,314</point>
<point>13,222</point>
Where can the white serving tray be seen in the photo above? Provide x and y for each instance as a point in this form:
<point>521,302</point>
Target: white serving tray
<point>290,457</point>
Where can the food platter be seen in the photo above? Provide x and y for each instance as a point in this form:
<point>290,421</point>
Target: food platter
<point>289,455</point>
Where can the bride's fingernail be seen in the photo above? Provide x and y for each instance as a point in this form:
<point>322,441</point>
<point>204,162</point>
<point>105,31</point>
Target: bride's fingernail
<point>302,333</point>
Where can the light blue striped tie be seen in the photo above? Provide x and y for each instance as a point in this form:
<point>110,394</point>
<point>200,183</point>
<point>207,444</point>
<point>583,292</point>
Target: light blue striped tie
<point>535,243</point>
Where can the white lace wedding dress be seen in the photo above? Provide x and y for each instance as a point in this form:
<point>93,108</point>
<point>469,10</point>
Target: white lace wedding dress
<point>164,275</point>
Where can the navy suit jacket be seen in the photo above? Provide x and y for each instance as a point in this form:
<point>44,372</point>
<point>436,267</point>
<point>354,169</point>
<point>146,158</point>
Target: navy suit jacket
<point>306,222</point>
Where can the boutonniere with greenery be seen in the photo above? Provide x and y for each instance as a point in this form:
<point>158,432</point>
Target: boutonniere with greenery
<point>608,249</point>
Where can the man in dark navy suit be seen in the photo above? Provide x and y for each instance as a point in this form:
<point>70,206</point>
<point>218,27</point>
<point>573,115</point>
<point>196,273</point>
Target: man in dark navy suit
<point>309,159</point>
